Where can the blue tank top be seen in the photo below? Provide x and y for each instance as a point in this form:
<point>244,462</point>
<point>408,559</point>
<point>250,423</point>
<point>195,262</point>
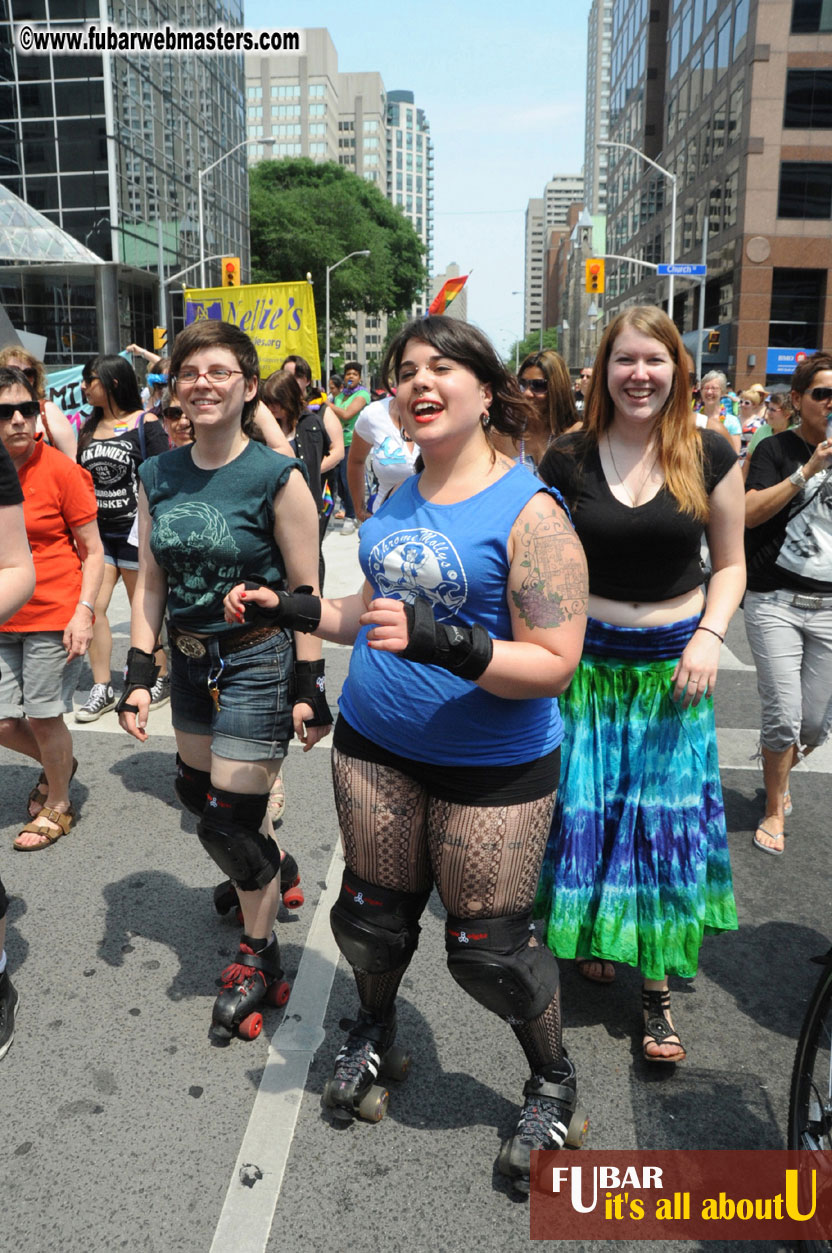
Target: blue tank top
<point>454,556</point>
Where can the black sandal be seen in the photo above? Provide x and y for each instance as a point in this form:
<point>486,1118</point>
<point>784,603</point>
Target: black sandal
<point>656,1005</point>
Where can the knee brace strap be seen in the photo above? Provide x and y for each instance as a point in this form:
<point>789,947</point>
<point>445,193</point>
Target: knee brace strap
<point>229,831</point>
<point>491,959</point>
<point>191,786</point>
<point>377,929</point>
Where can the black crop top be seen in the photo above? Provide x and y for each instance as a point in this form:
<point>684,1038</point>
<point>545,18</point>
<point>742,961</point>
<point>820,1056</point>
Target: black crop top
<point>649,553</point>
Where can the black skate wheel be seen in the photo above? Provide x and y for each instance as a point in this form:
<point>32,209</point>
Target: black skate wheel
<point>395,1064</point>
<point>250,1027</point>
<point>373,1105</point>
<point>278,993</point>
<point>225,898</point>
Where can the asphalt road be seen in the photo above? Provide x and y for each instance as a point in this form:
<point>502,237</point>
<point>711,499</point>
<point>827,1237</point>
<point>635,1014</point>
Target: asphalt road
<point>124,1127</point>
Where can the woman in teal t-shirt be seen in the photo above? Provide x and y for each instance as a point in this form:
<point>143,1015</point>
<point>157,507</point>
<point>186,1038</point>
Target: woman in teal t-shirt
<point>222,510</point>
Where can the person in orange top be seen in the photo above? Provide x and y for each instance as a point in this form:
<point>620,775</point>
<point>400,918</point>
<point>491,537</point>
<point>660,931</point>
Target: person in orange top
<point>54,628</point>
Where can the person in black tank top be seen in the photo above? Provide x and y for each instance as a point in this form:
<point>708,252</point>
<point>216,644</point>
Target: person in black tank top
<point>637,865</point>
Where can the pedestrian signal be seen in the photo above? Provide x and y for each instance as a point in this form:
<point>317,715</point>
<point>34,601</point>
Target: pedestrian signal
<point>594,275</point>
<point>160,338</point>
<point>231,271</point>
<point>713,341</point>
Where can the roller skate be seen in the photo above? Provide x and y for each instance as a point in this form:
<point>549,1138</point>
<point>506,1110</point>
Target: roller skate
<point>551,1118</point>
<point>251,979</point>
<point>226,898</point>
<point>367,1054</point>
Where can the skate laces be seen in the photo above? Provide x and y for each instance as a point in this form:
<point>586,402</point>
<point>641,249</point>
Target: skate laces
<point>237,973</point>
<point>542,1121</point>
<point>355,1058</point>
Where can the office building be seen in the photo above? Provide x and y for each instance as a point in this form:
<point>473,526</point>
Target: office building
<point>598,60</point>
<point>109,149</point>
<point>731,97</point>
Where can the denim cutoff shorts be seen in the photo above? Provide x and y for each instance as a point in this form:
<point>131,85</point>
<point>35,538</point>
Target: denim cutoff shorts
<point>254,720</point>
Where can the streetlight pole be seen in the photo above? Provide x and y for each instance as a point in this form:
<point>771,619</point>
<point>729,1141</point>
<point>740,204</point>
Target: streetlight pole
<point>616,143</point>
<point>517,292</point>
<point>362,252</point>
<point>200,176</point>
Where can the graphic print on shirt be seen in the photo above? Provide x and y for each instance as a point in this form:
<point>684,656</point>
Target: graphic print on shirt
<point>807,546</point>
<point>417,562</point>
<point>390,452</point>
<point>193,543</point>
<point>110,462</point>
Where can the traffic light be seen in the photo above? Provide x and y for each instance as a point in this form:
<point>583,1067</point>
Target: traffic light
<point>231,271</point>
<point>160,338</point>
<point>713,341</point>
<point>594,275</point>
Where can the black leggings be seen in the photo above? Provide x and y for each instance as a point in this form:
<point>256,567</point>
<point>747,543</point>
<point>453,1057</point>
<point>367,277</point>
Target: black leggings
<point>485,861</point>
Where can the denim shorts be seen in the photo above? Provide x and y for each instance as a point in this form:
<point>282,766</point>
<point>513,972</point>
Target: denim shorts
<point>254,719</point>
<point>34,677</point>
<point>119,552</point>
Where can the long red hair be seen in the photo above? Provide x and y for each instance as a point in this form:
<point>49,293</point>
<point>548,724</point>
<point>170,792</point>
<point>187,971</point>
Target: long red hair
<point>679,443</point>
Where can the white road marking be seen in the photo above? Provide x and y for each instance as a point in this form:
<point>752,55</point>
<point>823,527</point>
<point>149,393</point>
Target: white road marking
<point>248,1211</point>
<point>738,751</point>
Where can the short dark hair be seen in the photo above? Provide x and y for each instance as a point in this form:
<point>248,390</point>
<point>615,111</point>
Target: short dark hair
<point>212,333</point>
<point>460,341</point>
<point>302,367</point>
<point>337,380</point>
<point>354,365</point>
<point>806,371</point>
<point>10,376</point>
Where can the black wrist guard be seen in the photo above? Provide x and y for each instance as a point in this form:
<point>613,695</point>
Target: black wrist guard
<point>310,686</point>
<point>297,611</point>
<point>465,651</point>
<point>142,671</point>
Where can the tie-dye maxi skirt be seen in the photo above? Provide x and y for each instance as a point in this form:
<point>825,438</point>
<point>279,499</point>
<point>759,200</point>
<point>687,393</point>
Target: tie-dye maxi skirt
<point>636,868</point>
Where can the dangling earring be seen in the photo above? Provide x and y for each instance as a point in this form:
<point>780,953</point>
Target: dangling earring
<point>486,420</point>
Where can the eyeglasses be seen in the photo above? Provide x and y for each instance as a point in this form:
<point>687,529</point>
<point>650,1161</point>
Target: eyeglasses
<point>172,415</point>
<point>27,409</point>
<point>215,374</point>
<point>821,394</point>
<point>538,386</point>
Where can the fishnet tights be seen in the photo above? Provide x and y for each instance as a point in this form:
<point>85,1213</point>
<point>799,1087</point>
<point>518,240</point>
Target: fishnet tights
<point>485,861</point>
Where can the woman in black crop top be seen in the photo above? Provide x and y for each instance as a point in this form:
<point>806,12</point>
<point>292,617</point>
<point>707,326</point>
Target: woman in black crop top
<point>637,866</point>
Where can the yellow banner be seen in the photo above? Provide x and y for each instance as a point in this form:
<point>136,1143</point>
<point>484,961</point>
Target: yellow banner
<point>279,318</point>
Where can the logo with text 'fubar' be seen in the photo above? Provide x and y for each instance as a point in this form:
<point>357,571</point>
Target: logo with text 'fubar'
<point>707,1194</point>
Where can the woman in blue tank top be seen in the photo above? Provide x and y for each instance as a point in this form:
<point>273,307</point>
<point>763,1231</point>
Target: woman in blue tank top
<point>446,755</point>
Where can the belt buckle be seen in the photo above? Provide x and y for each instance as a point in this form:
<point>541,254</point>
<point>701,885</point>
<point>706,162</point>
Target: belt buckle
<point>190,646</point>
<point>802,600</point>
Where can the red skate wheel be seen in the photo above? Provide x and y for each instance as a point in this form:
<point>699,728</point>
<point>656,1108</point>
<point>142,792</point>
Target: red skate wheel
<point>250,1027</point>
<point>278,993</point>
<point>293,897</point>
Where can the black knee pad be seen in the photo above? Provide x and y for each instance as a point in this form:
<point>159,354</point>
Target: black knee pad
<point>492,960</point>
<point>191,786</point>
<point>229,831</point>
<point>377,929</point>
<point>4,901</point>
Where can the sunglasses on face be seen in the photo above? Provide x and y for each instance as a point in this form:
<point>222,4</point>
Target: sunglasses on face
<point>27,409</point>
<point>172,415</point>
<point>538,386</point>
<point>28,372</point>
<point>821,394</point>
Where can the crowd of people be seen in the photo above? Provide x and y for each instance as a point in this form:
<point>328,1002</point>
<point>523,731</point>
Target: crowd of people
<point>536,642</point>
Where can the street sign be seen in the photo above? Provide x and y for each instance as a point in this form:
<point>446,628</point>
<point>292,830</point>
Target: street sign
<point>786,360</point>
<point>689,271</point>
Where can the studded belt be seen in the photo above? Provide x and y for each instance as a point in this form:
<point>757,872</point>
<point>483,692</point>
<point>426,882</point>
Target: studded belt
<point>194,646</point>
<point>807,600</point>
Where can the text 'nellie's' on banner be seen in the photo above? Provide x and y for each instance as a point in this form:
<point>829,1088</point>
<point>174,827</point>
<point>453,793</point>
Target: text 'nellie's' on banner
<point>279,318</point>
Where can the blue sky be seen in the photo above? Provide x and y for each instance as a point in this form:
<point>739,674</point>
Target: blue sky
<point>504,92</point>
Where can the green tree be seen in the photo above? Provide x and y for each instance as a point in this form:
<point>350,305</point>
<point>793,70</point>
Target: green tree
<point>306,215</point>
<point>525,347</point>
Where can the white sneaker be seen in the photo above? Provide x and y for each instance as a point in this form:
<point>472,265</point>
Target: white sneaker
<point>349,527</point>
<point>160,692</point>
<point>100,700</point>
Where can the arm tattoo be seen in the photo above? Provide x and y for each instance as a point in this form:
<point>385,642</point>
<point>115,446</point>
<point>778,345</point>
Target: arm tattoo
<point>554,588</point>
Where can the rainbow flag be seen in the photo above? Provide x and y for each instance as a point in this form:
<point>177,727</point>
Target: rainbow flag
<point>447,292</point>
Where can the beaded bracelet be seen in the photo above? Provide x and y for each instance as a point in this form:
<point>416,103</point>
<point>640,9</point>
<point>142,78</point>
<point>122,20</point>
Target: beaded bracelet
<point>711,631</point>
